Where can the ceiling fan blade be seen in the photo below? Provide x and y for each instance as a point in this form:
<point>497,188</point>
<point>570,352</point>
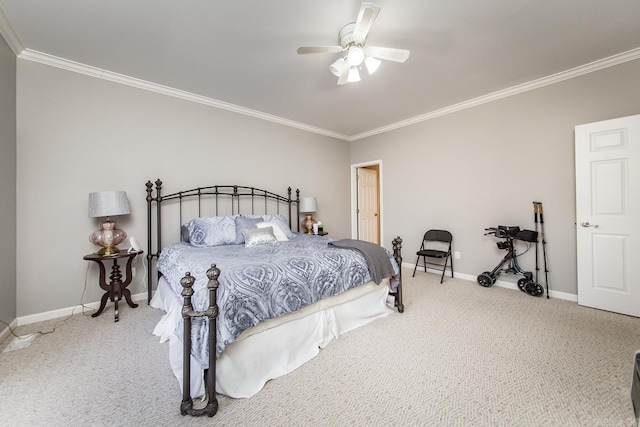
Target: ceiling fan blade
<point>387,53</point>
<point>319,49</point>
<point>344,76</point>
<point>366,17</point>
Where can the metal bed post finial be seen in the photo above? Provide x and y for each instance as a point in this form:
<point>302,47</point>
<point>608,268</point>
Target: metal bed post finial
<point>149,186</point>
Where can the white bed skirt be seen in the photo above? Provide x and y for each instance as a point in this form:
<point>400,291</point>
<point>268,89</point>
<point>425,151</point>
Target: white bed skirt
<point>273,348</point>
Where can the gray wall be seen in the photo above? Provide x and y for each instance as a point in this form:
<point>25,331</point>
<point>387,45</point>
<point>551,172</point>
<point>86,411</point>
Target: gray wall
<point>484,166</point>
<point>78,134</point>
<point>465,171</point>
<point>7,183</point>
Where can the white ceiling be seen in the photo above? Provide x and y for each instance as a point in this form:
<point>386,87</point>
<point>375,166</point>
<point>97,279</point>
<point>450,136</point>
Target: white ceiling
<point>243,52</point>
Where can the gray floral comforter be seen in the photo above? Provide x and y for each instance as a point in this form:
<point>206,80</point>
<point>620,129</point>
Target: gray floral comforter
<point>261,282</point>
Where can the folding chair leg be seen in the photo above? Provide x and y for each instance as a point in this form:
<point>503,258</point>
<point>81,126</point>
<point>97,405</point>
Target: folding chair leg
<point>416,267</point>
<point>444,269</point>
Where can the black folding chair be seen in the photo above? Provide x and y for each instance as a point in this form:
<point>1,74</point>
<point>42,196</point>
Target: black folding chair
<point>436,244</point>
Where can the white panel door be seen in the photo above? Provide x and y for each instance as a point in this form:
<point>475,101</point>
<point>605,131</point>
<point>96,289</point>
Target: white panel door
<point>608,214</point>
<point>368,206</point>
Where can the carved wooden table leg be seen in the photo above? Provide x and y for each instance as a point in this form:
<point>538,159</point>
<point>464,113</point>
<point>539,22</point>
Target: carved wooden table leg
<point>103,304</point>
<point>115,291</point>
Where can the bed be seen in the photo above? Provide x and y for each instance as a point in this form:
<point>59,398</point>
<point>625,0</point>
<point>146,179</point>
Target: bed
<point>246,298</point>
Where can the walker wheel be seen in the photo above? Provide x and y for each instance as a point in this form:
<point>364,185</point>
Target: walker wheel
<point>486,280</point>
<point>522,283</point>
<point>534,289</point>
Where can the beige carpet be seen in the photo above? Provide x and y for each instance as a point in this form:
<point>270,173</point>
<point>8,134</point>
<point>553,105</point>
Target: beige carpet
<point>459,355</point>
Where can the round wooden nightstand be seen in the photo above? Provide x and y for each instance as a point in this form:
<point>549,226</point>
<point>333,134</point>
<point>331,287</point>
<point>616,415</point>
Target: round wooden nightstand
<point>115,288</point>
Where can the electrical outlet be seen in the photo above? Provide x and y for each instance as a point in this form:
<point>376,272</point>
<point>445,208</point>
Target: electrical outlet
<point>133,272</point>
<point>456,255</point>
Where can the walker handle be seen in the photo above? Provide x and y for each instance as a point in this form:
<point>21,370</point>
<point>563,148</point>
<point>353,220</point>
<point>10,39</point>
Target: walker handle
<point>493,230</point>
<point>498,232</point>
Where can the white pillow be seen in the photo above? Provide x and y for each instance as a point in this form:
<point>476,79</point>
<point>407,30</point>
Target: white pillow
<point>244,222</point>
<point>277,230</point>
<point>259,236</point>
<point>281,221</point>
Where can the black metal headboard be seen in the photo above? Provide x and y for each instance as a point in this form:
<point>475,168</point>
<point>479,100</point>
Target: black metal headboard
<point>213,200</point>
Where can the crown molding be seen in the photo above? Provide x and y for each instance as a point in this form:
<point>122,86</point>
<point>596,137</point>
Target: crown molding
<point>12,39</point>
<point>99,73</point>
<point>77,67</point>
<point>591,67</point>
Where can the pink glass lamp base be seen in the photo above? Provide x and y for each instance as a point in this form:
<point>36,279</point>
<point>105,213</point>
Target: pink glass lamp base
<point>307,224</point>
<point>108,237</point>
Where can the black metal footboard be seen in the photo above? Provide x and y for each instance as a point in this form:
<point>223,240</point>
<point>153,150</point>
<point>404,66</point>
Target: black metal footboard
<point>211,407</point>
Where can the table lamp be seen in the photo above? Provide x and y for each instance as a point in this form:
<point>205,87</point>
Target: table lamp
<point>108,204</point>
<point>308,205</point>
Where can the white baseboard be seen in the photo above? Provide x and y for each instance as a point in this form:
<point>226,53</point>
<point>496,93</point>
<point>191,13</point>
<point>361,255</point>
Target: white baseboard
<point>54,314</point>
<point>62,312</point>
<point>500,283</point>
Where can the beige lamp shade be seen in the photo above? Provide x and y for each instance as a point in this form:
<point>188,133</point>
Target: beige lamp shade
<point>108,203</point>
<point>308,205</point>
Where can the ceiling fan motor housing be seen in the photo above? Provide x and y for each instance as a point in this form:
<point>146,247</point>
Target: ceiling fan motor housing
<point>346,36</point>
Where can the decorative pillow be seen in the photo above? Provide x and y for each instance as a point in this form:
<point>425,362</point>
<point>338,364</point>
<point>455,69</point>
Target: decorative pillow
<point>259,236</point>
<point>277,230</point>
<point>243,223</point>
<point>281,221</point>
<point>212,231</point>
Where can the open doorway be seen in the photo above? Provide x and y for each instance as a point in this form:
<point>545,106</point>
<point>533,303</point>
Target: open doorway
<point>366,201</point>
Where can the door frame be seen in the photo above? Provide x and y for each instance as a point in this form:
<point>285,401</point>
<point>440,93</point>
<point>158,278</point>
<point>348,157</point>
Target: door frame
<point>354,198</point>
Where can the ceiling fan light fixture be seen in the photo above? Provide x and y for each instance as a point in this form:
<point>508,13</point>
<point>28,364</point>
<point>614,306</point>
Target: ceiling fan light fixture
<point>355,56</point>
<point>372,64</point>
<point>353,39</point>
<point>338,67</point>
<point>354,75</point>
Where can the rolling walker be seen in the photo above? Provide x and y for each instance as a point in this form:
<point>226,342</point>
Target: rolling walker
<point>509,234</point>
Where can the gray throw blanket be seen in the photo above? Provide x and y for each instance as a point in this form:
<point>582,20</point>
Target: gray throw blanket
<point>376,256</point>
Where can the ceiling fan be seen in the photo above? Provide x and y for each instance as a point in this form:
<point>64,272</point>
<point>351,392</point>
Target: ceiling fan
<point>353,38</point>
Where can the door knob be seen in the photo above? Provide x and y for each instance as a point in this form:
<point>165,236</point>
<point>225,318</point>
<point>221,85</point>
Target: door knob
<point>587,225</point>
